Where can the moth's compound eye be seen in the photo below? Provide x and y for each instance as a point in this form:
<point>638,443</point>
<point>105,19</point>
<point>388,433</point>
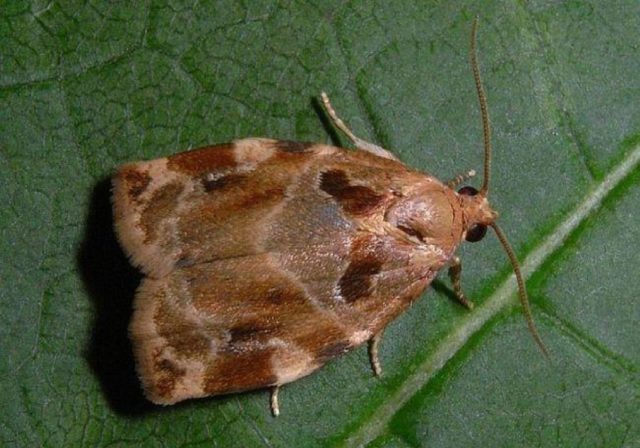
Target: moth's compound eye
<point>476,233</point>
<point>468,191</point>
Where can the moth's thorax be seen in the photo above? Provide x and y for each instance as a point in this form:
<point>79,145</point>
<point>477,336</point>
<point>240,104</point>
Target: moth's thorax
<point>431,213</point>
<point>476,210</point>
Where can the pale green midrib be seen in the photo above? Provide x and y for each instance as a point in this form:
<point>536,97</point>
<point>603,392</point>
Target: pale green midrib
<point>502,297</point>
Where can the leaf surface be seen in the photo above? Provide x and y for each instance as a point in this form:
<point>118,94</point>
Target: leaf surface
<point>86,86</point>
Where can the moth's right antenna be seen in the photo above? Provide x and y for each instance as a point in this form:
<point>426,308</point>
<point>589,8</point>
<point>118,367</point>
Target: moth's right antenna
<point>522,290</point>
<point>484,110</point>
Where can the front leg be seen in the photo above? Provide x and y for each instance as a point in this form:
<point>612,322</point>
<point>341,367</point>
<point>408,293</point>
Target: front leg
<point>374,344</point>
<point>455,270</point>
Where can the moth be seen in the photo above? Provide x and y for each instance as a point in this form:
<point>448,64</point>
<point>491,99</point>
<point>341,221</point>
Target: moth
<point>264,259</point>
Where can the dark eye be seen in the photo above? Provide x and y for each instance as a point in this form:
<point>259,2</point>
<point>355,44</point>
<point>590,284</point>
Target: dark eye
<point>476,233</point>
<point>468,191</point>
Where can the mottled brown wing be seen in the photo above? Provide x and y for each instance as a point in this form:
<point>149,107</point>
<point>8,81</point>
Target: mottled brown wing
<point>173,212</point>
<point>240,324</point>
<point>264,259</point>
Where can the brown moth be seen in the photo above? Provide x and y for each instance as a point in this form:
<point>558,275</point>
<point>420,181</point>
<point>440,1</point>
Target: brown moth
<point>264,259</point>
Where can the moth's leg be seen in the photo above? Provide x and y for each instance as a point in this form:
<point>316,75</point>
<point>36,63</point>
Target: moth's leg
<point>360,144</point>
<point>455,270</point>
<point>275,407</point>
<point>453,183</point>
<point>374,344</point>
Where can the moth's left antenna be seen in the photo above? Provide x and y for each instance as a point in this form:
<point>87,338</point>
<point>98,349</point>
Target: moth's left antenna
<point>484,109</point>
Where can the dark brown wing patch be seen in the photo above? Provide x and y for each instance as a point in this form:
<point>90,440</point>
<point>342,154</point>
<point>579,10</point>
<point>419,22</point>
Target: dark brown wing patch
<point>291,146</point>
<point>357,281</point>
<point>220,183</point>
<point>354,199</point>
<point>204,160</point>
<point>238,372</point>
<point>136,181</point>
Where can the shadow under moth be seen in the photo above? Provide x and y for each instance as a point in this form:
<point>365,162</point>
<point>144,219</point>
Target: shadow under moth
<point>264,259</point>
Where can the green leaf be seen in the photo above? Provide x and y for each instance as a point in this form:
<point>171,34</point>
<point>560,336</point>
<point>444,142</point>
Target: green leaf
<point>86,86</point>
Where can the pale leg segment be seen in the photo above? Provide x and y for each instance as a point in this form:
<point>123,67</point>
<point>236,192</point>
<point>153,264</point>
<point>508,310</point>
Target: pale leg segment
<point>275,407</point>
<point>374,344</point>
<point>358,142</point>
<point>454,273</point>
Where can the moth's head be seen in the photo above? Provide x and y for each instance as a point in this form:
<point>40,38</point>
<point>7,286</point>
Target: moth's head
<point>478,214</point>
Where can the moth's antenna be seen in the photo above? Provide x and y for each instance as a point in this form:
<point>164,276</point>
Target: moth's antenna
<point>486,132</point>
<point>522,292</point>
<point>484,109</point>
